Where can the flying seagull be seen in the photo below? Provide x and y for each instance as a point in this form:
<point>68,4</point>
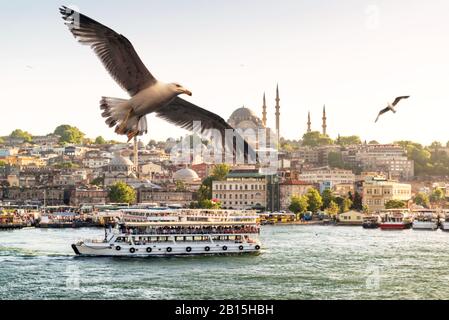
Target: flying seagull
<point>148,95</point>
<point>391,106</point>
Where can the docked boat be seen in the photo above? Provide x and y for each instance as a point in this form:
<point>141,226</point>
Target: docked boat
<point>177,232</point>
<point>444,221</point>
<point>371,222</point>
<point>396,219</point>
<point>425,220</point>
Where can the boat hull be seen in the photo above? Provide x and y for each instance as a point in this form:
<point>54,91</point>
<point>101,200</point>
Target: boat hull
<point>395,226</point>
<point>419,225</point>
<point>107,250</point>
<point>445,226</point>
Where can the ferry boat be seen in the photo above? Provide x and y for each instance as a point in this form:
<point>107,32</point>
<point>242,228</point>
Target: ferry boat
<point>396,219</point>
<point>177,232</point>
<point>371,222</point>
<point>425,220</point>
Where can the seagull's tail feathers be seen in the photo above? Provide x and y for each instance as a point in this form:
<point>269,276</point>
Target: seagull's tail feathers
<point>119,113</point>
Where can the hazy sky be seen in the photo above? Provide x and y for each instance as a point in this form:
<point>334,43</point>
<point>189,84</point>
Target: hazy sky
<point>352,55</point>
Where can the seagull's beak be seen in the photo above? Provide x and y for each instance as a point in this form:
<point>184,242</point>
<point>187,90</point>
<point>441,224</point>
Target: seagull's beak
<point>187,92</point>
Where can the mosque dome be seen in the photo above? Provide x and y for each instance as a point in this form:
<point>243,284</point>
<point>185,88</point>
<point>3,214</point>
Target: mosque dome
<point>245,118</point>
<point>119,160</point>
<point>186,175</point>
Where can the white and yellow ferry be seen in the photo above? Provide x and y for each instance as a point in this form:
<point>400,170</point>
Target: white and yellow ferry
<point>145,233</point>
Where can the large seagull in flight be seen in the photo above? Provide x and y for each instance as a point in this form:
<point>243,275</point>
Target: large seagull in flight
<point>391,107</point>
<point>148,95</point>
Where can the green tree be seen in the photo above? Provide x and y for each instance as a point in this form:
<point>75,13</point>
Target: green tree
<point>2,163</point>
<point>357,201</point>
<point>422,199</point>
<point>395,204</point>
<point>335,160</point>
<point>345,205</point>
<point>99,181</point>
<point>122,193</point>
<point>316,139</point>
<point>205,204</point>
<point>69,134</point>
<point>333,209</point>
<point>66,165</point>
<point>314,200</point>
<point>2,141</point>
<point>348,141</point>
<point>20,134</point>
<point>219,173</point>
<point>299,204</point>
<point>327,197</point>
<point>437,195</point>
<point>100,140</point>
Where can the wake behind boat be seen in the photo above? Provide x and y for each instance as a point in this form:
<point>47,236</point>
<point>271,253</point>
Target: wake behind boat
<point>177,232</point>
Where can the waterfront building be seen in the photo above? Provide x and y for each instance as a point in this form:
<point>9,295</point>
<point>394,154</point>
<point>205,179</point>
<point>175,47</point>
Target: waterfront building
<point>292,188</point>
<point>165,197</point>
<point>88,196</point>
<point>351,218</point>
<point>326,174</point>
<point>242,189</point>
<point>377,192</point>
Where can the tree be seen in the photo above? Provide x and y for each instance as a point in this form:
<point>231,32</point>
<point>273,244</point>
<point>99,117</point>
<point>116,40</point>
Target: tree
<point>299,204</point>
<point>335,160</point>
<point>219,173</point>
<point>327,197</point>
<point>100,140</point>
<point>395,204</point>
<point>66,165</point>
<point>2,163</point>
<point>122,193</point>
<point>99,181</point>
<point>357,201</point>
<point>345,205</point>
<point>20,134</point>
<point>422,199</point>
<point>314,200</point>
<point>2,141</point>
<point>437,195</point>
<point>69,134</point>
<point>316,139</point>
<point>205,204</point>
<point>333,209</point>
<point>348,141</point>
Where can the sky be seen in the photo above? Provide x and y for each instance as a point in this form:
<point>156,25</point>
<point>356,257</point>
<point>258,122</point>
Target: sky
<point>354,56</point>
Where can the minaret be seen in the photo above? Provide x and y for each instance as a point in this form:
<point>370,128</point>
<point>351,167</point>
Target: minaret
<point>264,112</point>
<point>278,115</point>
<point>309,125</point>
<point>136,156</point>
<point>324,121</point>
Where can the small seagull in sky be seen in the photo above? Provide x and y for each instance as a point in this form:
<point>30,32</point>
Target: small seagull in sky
<point>391,106</point>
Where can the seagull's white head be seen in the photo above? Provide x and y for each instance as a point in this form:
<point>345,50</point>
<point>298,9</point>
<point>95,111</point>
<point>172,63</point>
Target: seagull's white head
<point>178,89</point>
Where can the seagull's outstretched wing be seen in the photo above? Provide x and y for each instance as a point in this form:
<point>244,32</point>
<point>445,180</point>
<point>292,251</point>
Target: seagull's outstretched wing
<point>114,50</point>
<point>382,112</point>
<point>183,114</point>
<point>398,99</point>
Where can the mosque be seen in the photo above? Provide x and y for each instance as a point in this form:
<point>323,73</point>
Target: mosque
<point>244,119</point>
